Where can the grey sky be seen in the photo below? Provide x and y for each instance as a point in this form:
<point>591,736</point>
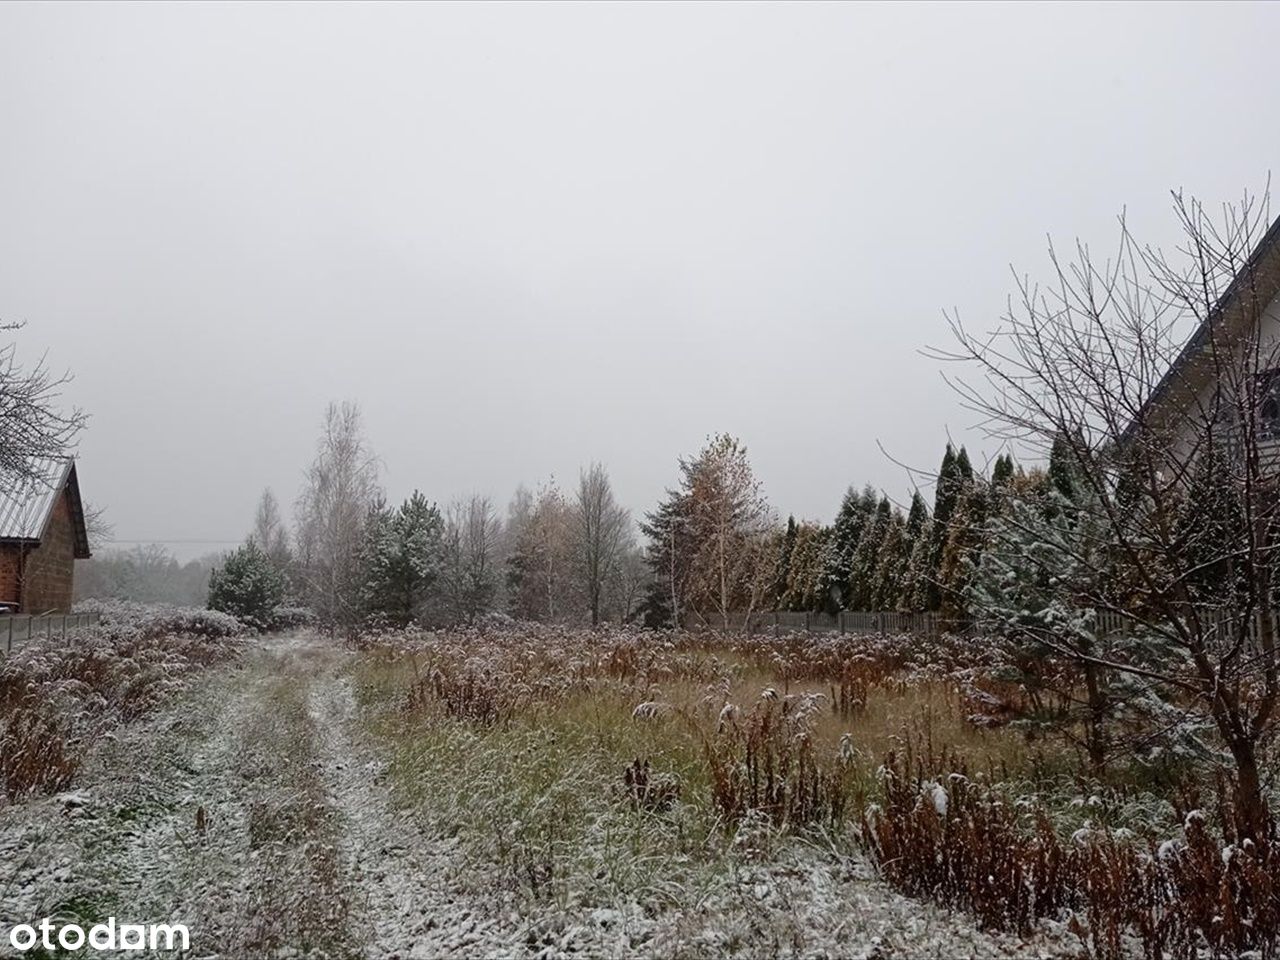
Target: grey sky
<point>524,237</point>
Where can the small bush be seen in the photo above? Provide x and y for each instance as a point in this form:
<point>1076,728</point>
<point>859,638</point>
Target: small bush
<point>247,585</point>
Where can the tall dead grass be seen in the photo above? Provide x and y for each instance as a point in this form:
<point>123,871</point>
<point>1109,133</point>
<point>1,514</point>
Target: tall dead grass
<point>58,695</point>
<point>962,842</point>
<point>733,733</point>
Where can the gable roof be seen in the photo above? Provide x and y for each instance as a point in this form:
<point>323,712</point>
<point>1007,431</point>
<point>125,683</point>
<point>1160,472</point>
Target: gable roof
<point>26,505</point>
<point>1261,276</point>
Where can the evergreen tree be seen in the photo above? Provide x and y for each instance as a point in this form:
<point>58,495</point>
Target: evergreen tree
<point>247,585</point>
<point>1035,590</point>
<point>855,510</point>
<point>891,570</point>
<point>862,582</point>
<point>919,548</point>
<point>806,583</point>
<point>784,563</point>
<point>402,557</point>
<point>1061,470</point>
<point>1002,472</point>
<point>945,498</point>
<point>668,528</point>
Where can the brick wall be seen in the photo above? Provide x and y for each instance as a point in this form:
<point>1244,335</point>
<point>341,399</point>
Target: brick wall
<point>48,569</point>
<point>9,572</point>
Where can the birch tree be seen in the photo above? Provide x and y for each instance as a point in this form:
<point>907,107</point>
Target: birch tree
<point>603,534</point>
<point>469,570</point>
<point>341,487</point>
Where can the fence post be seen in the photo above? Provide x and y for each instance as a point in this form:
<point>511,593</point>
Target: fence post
<point>9,646</point>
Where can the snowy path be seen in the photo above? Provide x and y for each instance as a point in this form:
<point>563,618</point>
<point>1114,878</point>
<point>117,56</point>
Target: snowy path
<point>250,814</point>
<point>256,813</point>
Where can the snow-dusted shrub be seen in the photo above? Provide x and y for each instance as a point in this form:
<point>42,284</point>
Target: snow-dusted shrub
<point>57,696</point>
<point>286,617</point>
<point>763,762</point>
<point>962,843</point>
<point>162,618</point>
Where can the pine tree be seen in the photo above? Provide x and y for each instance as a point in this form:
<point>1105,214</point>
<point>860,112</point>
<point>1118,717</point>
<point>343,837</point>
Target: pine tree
<point>247,585</point>
<point>402,558</point>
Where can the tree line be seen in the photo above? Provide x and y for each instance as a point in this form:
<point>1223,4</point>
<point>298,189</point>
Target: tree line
<point>710,553</point>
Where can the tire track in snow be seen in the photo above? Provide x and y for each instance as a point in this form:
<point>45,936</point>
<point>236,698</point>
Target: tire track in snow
<point>407,903</point>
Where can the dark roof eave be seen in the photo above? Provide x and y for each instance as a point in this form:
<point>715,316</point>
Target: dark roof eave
<point>1201,333</point>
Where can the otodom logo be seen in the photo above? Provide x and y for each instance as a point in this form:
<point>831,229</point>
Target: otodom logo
<point>108,935</point>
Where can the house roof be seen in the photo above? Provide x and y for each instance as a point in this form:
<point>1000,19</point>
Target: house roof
<point>1261,276</point>
<point>26,505</point>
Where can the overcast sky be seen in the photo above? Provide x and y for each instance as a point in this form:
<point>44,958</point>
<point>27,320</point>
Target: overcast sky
<point>525,237</point>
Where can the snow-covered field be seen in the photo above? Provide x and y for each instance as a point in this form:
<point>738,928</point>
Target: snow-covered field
<point>256,810</point>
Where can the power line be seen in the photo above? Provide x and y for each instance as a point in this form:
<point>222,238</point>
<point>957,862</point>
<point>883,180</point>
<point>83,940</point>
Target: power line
<point>113,540</point>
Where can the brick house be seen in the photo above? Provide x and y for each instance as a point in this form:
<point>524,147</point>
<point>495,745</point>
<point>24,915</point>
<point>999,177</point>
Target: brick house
<point>42,534</point>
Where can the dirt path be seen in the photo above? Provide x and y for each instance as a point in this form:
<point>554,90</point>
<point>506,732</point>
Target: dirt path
<point>252,814</point>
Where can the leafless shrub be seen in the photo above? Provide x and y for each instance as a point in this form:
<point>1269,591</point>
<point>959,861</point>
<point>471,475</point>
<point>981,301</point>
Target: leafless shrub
<point>765,762</point>
<point>953,839</point>
<point>647,790</point>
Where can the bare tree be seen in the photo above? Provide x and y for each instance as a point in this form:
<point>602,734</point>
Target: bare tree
<point>269,531</point>
<point>32,425</point>
<point>472,542</point>
<point>341,486</point>
<point>97,528</point>
<point>540,567</point>
<point>603,532</point>
<point>1172,454</point>
<point>628,581</point>
<point>731,523</point>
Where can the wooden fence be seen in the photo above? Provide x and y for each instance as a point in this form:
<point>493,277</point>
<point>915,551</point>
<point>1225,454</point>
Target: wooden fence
<point>846,621</point>
<point>933,624</point>
<point>17,629</point>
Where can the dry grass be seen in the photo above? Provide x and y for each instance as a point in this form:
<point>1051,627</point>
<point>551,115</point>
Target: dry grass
<point>586,768</point>
<point>943,835</point>
<point>57,696</point>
